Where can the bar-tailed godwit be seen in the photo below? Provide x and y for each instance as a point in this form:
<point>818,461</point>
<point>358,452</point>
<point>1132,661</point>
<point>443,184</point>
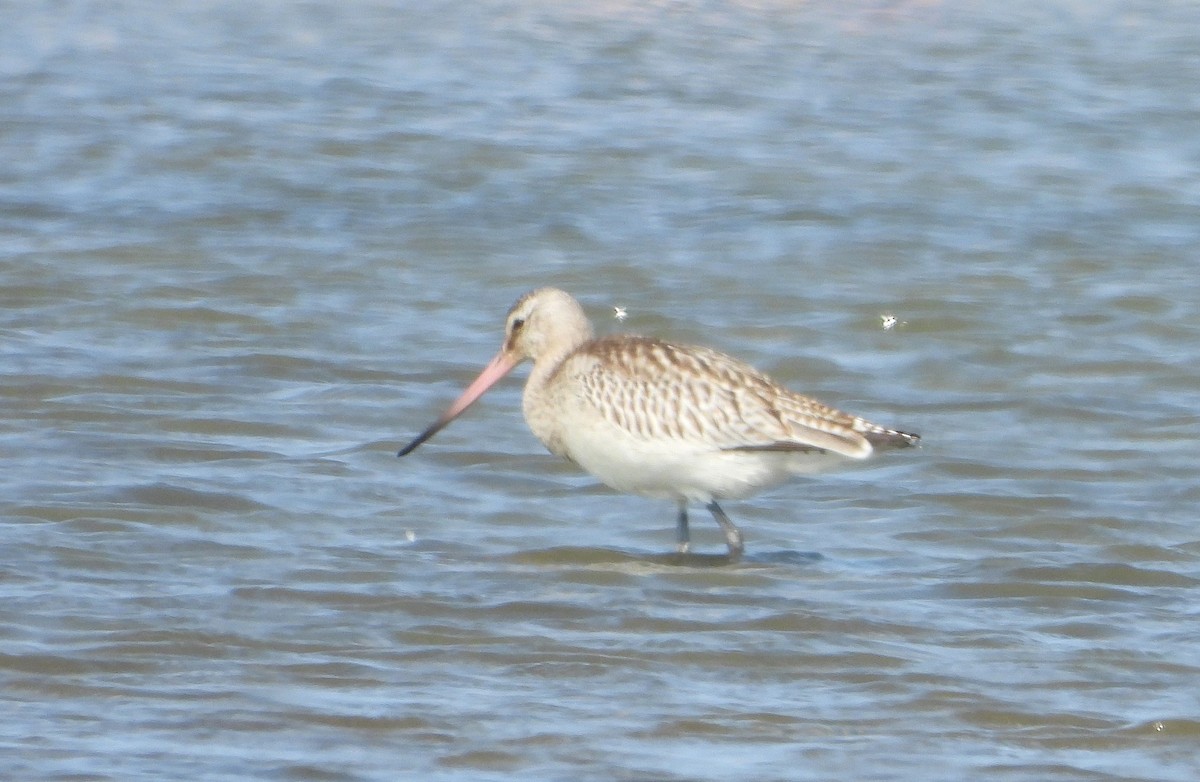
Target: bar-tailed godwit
<point>662,420</point>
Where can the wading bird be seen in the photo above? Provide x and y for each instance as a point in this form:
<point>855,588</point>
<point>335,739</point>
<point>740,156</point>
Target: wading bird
<point>663,420</point>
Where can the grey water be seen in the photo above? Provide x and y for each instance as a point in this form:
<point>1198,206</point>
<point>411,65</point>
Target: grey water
<point>247,250</point>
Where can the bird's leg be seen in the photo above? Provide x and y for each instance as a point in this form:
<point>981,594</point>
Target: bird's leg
<point>682,538</point>
<point>733,535</point>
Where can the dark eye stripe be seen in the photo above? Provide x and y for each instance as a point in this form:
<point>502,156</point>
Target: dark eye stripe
<point>518,323</point>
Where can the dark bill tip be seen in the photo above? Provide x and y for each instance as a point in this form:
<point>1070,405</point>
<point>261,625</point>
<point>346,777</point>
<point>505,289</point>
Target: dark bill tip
<point>422,437</point>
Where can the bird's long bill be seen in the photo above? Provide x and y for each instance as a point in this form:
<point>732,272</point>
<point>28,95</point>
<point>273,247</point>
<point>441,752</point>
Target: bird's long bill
<point>497,368</point>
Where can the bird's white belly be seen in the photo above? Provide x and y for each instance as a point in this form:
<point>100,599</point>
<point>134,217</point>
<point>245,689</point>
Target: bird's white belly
<point>681,469</point>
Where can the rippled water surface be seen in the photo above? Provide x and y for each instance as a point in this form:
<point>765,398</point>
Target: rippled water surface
<point>247,250</point>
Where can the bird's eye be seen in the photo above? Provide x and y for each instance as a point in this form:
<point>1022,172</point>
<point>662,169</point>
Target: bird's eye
<point>517,324</point>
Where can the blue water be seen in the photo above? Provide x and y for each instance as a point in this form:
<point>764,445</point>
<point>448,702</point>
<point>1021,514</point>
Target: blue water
<point>247,251</point>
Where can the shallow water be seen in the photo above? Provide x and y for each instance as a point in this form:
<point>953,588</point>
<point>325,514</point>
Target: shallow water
<point>246,252</point>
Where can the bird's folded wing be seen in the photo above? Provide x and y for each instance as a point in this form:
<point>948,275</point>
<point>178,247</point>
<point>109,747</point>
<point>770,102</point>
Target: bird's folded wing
<point>653,389</point>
